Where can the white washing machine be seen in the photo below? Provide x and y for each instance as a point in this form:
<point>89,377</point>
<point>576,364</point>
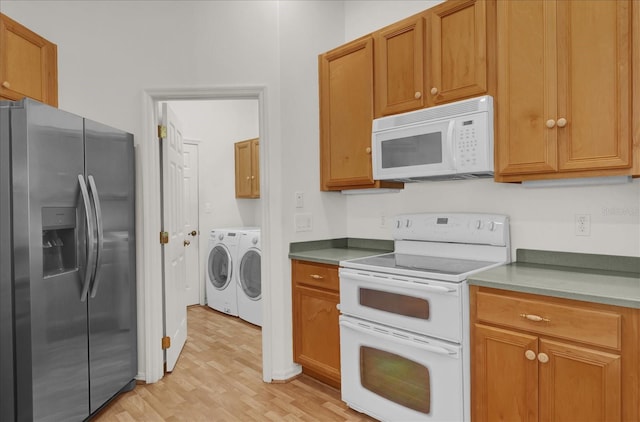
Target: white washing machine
<point>220,271</point>
<point>248,277</point>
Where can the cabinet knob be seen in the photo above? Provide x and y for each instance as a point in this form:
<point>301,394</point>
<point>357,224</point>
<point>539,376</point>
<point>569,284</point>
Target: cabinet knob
<point>368,150</point>
<point>6,84</point>
<point>543,357</point>
<point>562,122</point>
<point>530,354</point>
<point>253,177</point>
<point>551,123</point>
<point>417,95</point>
<point>248,177</point>
<point>434,90</point>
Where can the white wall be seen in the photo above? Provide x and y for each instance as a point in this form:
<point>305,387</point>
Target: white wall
<point>218,125</point>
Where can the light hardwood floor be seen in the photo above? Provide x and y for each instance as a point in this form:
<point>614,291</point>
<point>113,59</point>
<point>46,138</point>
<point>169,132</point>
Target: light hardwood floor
<point>219,378</point>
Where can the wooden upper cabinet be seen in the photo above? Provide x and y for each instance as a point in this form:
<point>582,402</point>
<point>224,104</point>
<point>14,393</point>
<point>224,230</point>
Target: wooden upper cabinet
<point>346,117</point>
<point>458,50</point>
<point>247,163</point>
<point>399,66</point>
<point>564,89</point>
<point>28,64</point>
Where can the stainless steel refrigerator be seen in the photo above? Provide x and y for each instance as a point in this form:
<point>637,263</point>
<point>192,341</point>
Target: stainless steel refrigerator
<point>68,340</point>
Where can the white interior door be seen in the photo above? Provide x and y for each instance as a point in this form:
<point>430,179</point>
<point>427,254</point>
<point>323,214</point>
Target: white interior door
<point>192,227</point>
<point>173,221</point>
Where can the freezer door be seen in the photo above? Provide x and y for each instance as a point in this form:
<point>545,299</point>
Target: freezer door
<point>112,301</point>
<point>48,250</point>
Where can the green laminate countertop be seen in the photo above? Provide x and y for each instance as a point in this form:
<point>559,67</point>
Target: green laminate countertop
<point>613,280</point>
<point>332,251</point>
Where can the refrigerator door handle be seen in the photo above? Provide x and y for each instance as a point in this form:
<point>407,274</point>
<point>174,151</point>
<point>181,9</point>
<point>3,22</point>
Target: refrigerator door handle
<point>90,264</point>
<point>98,210</point>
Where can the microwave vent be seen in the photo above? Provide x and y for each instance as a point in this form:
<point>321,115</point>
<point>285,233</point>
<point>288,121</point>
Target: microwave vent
<point>445,111</point>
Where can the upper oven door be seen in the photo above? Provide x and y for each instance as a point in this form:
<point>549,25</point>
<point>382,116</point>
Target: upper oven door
<point>419,150</point>
<point>423,306</point>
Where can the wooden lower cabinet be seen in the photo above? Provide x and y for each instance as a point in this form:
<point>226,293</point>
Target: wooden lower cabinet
<point>316,333</point>
<point>562,367</point>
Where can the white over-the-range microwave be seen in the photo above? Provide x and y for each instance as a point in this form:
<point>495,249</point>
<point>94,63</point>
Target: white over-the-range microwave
<point>451,141</point>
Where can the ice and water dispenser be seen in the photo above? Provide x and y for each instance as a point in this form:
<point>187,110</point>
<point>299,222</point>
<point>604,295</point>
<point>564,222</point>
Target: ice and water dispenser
<point>58,240</point>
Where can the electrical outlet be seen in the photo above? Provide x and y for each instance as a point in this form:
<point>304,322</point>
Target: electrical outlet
<point>583,224</point>
<point>303,222</point>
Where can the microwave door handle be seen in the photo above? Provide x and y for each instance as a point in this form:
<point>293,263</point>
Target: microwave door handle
<point>452,143</point>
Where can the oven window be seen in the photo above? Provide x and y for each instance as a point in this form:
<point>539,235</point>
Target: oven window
<point>412,151</point>
<point>396,378</point>
<point>395,303</point>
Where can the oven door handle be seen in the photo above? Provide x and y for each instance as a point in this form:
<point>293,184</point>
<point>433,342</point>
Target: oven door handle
<point>396,281</point>
<point>387,335</point>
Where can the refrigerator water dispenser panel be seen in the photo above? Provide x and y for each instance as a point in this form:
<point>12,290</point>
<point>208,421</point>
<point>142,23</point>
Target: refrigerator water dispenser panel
<point>58,240</point>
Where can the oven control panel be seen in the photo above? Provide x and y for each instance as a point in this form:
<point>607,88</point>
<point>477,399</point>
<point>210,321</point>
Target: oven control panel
<point>474,228</point>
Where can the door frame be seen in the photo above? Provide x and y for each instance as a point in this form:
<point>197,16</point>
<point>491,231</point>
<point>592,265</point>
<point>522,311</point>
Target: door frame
<point>148,221</point>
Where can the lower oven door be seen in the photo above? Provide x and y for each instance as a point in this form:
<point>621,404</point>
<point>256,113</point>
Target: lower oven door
<point>395,375</point>
<point>433,308</point>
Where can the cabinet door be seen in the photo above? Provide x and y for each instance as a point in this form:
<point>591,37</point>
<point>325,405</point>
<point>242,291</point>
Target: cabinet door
<point>457,51</point>
<point>28,64</point>
<point>316,333</point>
<point>399,67</point>
<point>255,168</point>
<point>346,115</point>
<point>594,84</point>
<point>578,383</point>
<point>504,382</point>
<point>243,169</point>
<point>527,87</point>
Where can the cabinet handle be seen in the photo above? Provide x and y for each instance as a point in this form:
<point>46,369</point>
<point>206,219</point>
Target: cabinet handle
<point>551,123</point>
<point>6,84</point>
<point>316,276</point>
<point>543,357</point>
<point>562,122</point>
<point>368,150</point>
<point>535,318</point>
<point>417,95</point>
<point>530,354</point>
<point>337,306</point>
<point>434,90</point>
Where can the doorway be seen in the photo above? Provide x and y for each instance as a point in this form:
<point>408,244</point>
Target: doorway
<point>150,252</point>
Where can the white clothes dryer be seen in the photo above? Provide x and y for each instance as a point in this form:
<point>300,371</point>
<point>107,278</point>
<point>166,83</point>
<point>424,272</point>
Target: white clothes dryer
<point>249,282</point>
<point>220,271</point>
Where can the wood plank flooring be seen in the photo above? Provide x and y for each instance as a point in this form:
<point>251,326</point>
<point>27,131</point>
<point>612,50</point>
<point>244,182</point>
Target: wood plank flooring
<point>219,378</point>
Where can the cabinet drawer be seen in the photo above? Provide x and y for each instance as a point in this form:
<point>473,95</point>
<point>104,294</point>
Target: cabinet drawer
<point>567,321</point>
<point>318,275</point>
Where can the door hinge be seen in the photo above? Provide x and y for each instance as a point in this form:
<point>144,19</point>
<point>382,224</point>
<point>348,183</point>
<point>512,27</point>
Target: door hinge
<point>162,131</point>
<point>166,342</point>
<point>164,238</point>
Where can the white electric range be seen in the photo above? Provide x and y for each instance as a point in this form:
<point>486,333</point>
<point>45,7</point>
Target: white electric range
<point>404,328</point>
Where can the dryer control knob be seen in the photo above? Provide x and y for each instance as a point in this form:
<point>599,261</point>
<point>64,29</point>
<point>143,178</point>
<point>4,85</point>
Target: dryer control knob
<point>221,236</point>
<point>254,240</point>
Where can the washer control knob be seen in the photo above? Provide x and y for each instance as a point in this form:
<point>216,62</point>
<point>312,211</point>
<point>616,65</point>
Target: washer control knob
<point>254,240</point>
<point>221,236</point>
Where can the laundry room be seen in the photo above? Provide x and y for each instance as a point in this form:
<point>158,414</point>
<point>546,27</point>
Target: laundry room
<point>216,134</point>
